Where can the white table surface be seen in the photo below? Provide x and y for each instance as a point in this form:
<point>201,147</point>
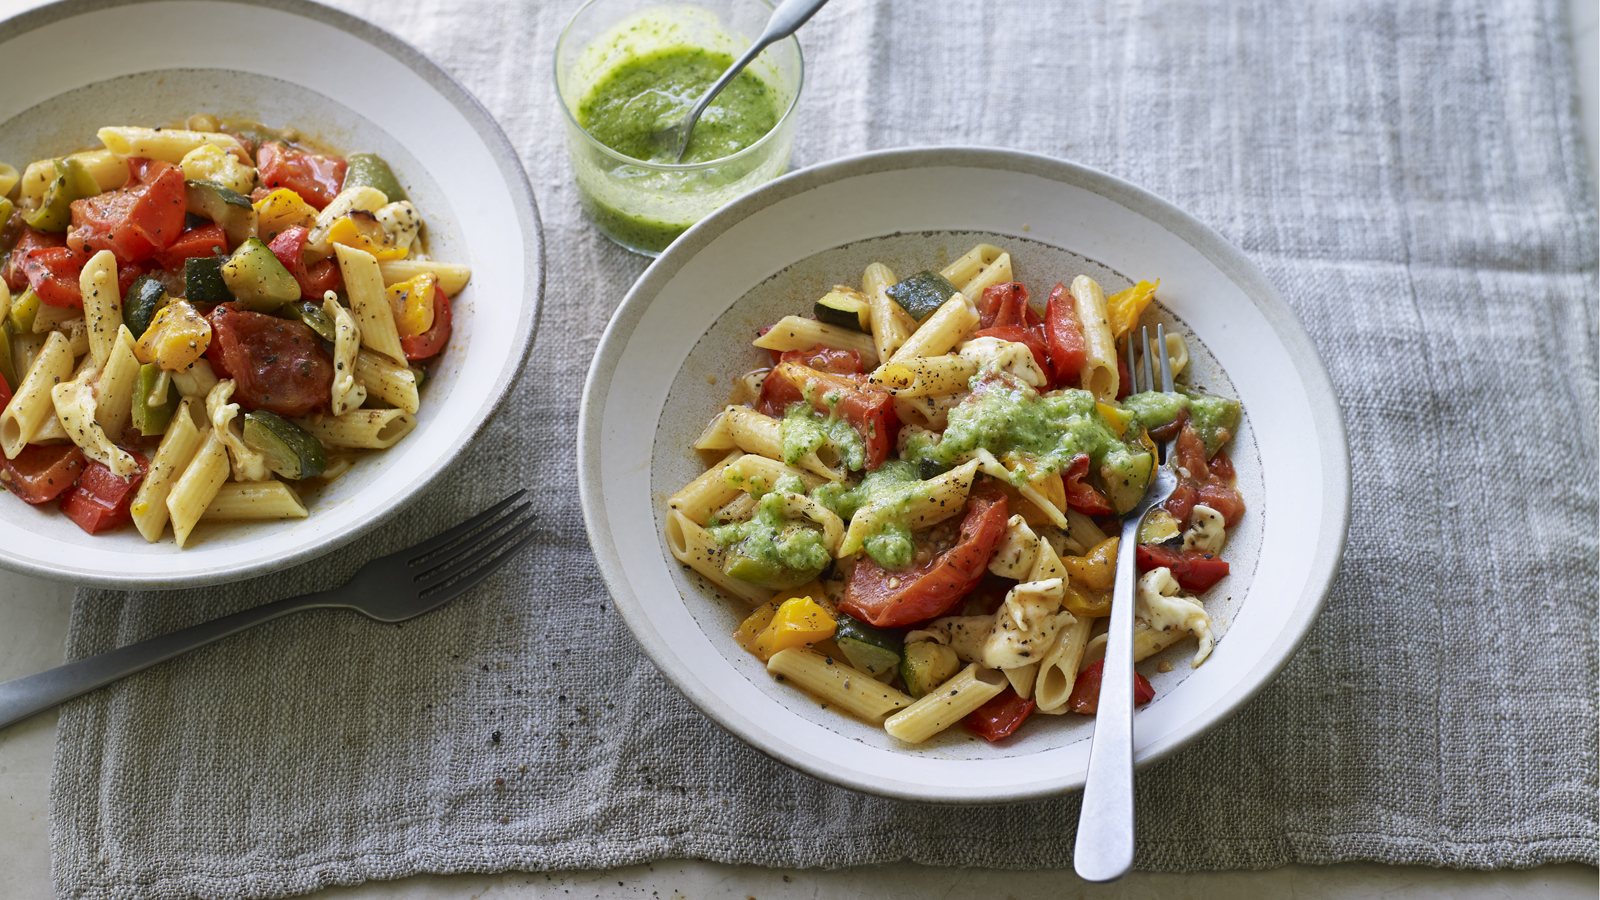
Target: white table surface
<point>33,631</point>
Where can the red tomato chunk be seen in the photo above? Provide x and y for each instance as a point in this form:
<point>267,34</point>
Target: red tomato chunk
<point>1193,571</point>
<point>1085,697</point>
<point>40,473</point>
<point>101,500</point>
<point>135,221</point>
<point>276,364</point>
<point>27,239</point>
<point>1001,716</point>
<point>53,273</point>
<point>207,240</point>
<point>316,178</point>
<point>1065,336</point>
<point>869,411</point>
<point>316,279</point>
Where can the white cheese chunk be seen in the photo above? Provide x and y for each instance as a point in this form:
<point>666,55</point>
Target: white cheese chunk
<point>993,354</point>
<point>963,634</point>
<point>1156,601</point>
<point>1026,625</point>
<point>1207,532</point>
<point>1019,548</point>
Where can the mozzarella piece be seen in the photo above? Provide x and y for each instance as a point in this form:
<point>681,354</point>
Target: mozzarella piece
<point>75,408</point>
<point>1026,625</point>
<point>1207,532</point>
<point>1156,601</point>
<point>1015,556</point>
<point>401,221</point>
<point>347,393</point>
<point>963,634</point>
<point>993,354</point>
<point>248,464</point>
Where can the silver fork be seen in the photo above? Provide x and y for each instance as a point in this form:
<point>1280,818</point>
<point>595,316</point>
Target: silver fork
<point>393,588</point>
<point>1104,849</point>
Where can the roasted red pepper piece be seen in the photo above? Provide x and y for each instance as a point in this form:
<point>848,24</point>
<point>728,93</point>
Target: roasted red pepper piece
<point>41,472</point>
<point>100,500</point>
<point>1193,571</point>
<point>1081,495</point>
<point>1001,716</point>
<point>1085,697</point>
<point>1064,334</point>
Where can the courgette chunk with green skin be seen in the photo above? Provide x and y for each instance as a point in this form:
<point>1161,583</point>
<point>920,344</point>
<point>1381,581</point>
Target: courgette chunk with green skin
<point>921,294</point>
<point>872,650</point>
<point>224,206</point>
<point>145,298</point>
<point>202,280</point>
<point>314,317</point>
<point>369,170</point>
<point>8,367</point>
<point>846,310</point>
<point>926,666</point>
<point>72,182</point>
<point>290,450</point>
<point>257,281</point>
<point>153,419</point>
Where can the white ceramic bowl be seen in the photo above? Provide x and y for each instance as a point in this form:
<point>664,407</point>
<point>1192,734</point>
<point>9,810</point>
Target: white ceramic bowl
<point>692,315</point>
<point>357,89</point>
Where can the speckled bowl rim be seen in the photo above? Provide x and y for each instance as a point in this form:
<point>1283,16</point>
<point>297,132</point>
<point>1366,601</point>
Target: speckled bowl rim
<point>527,210</point>
<point>1333,447</point>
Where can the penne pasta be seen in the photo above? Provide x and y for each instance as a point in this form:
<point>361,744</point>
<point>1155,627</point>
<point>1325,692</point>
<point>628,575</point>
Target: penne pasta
<point>706,493</point>
<point>194,489</point>
<point>362,429</point>
<point>387,380</point>
<point>452,278</point>
<point>694,547</point>
<point>753,472</point>
<point>946,705</point>
<point>1100,350</point>
<point>169,145</point>
<point>178,448</point>
<point>108,170</point>
<point>941,497</point>
<point>33,403</point>
<point>1058,671</point>
<point>265,500</point>
<point>828,679</point>
<point>795,333</point>
<point>368,302</point>
<point>925,376</point>
<point>998,272</point>
<point>970,264</point>
<point>941,331</point>
<point>114,390</point>
<point>891,325</point>
<point>102,304</point>
<point>762,435</point>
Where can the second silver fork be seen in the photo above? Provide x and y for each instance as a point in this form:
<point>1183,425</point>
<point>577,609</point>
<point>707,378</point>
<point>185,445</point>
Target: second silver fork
<point>1104,848</point>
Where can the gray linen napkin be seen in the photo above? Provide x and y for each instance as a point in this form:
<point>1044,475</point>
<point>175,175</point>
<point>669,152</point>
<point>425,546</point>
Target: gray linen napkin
<point>1409,174</point>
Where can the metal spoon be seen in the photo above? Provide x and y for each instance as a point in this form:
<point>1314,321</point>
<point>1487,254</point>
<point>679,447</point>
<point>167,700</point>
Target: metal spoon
<point>786,20</point>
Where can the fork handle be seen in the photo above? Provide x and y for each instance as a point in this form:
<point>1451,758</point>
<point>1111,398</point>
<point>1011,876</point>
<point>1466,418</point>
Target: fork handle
<point>22,697</point>
<point>1104,848</point>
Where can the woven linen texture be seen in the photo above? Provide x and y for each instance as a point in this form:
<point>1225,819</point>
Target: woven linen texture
<point>1409,174</point>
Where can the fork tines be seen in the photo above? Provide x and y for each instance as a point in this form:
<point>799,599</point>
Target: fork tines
<point>468,553</point>
<point>1142,365</point>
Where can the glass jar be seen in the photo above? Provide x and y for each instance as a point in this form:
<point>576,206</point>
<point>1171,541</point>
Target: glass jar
<point>644,205</point>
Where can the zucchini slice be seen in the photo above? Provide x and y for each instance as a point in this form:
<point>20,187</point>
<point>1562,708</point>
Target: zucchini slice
<point>224,206</point>
<point>257,281</point>
<point>145,297</point>
<point>872,650</point>
<point>369,170</point>
<point>71,182</point>
<point>926,666</point>
<point>845,307</point>
<point>921,294</point>
<point>202,280</point>
<point>291,451</point>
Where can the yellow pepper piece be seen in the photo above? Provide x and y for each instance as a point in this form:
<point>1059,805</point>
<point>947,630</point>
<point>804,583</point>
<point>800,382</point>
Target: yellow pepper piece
<point>796,623</point>
<point>751,628</point>
<point>1124,308</point>
<point>812,589</point>
<point>362,230</point>
<point>280,211</point>
<point>1119,419</point>
<point>1095,570</point>
<point>177,336</point>
<point>412,302</point>
<point>1086,604</point>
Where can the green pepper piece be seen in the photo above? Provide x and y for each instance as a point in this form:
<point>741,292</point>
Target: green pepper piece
<point>72,182</point>
<point>8,366</point>
<point>369,170</point>
<point>145,298</point>
<point>153,419</point>
<point>314,317</point>
<point>23,311</point>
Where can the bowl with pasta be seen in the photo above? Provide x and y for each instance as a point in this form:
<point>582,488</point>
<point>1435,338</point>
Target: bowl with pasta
<point>853,479</point>
<point>241,319</point>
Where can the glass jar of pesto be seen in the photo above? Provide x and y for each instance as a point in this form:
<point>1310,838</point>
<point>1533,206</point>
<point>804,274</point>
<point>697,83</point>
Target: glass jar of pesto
<point>627,69</point>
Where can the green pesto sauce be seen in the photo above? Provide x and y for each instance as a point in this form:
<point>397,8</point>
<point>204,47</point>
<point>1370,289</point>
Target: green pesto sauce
<point>770,550</point>
<point>645,94</point>
<point>1215,418</point>
<point>1012,418</point>
<point>1153,409</point>
<point>805,431</point>
<point>894,484</point>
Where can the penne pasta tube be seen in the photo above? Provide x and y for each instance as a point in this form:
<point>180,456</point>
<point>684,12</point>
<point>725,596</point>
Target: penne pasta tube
<point>1100,349</point>
<point>755,433</point>
<point>33,403</point>
<point>200,481</point>
<point>1021,679</point>
<point>54,318</point>
<point>364,285</point>
<point>891,324</point>
<point>716,435</point>
<point>753,472</point>
<point>452,278</point>
<point>738,509</point>
<point>946,705</point>
<point>114,403</point>
<point>829,680</point>
<point>694,547</point>
<point>998,272</point>
<point>108,170</point>
<point>967,267</point>
<point>102,304</point>
<point>197,380</point>
<point>258,501</point>
<point>1058,671</point>
<point>706,493</point>
<point>941,331</point>
<point>925,376</point>
<point>387,380</point>
<point>795,333</point>
<point>362,429</point>
<point>1147,642</point>
<point>178,448</point>
<point>942,498</point>
<point>169,145</point>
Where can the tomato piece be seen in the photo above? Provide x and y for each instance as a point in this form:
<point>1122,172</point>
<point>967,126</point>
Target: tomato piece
<point>316,279</point>
<point>826,359</point>
<point>1085,697</point>
<point>1222,498</point>
<point>1180,504</point>
<point>869,411</point>
<point>1193,571</point>
<point>893,599</point>
<point>1081,495</point>
<point>101,500</point>
<point>207,240</point>
<point>27,240</point>
<point>316,178</point>
<point>1032,338</point>
<point>1125,378</point>
<point>1002,715</point>
<point>276,364</point>
<point>430,342</point>
<point>1064,334</point>
<point>1006,305</point>
<point>1222,467</point>
<point>41,472</point>
<point>134,221</point>
<point>1204,482</point>
<point>5,386</point>
<point>53,273</point>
